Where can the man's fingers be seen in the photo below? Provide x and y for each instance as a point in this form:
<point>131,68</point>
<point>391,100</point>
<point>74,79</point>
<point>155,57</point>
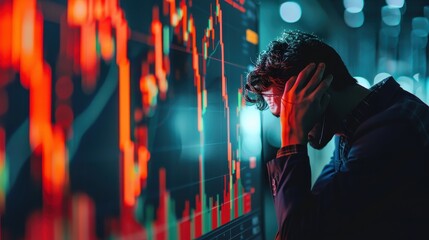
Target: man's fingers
<point>304,77</point>
<point>323,86</point>
<point>289,84</point>
<point>316,78</point>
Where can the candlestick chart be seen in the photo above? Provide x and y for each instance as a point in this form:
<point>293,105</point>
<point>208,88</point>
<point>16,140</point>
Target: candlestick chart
<point>124,120</point>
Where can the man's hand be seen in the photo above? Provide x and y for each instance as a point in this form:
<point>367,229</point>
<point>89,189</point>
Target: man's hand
<point>303,102</point>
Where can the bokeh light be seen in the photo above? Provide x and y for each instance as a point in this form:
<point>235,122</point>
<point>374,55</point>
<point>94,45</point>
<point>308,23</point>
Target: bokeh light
<point>391,16</point>
<point>250,122</point>
<point>363,81</point>
<point>380,77</point>
<point>353,6</point>
<point>395,3</point>
<point>420,26</point>
<point>354,20</point>
<point>290,12</point>
<point>406,83</point>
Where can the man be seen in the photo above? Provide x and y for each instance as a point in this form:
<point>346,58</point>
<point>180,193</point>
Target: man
<point>376,186</point>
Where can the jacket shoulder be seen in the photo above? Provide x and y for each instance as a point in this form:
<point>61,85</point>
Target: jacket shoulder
<point>411,113</point>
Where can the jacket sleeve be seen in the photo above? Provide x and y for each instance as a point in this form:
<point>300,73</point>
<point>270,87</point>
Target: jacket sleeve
<point>290,177</point>
<point>376,156</point>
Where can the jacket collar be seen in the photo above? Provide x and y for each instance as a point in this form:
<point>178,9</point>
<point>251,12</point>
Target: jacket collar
<point>379,98</point>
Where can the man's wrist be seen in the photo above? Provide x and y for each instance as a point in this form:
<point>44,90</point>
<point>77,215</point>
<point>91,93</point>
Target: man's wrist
<point>293,138</point>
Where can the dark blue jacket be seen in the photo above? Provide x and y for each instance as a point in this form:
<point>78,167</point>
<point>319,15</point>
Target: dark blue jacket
<point>377,184</point>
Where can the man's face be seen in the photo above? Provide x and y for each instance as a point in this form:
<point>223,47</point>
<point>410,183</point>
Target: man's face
<point>320,134</point>
<point>273,97</point>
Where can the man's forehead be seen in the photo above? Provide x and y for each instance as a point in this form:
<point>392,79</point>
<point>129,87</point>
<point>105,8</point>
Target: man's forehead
<point>268,90</point>
<point>272,90</point>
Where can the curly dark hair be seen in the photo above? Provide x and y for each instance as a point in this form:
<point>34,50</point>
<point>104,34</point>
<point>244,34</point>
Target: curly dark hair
<point>286,57</point>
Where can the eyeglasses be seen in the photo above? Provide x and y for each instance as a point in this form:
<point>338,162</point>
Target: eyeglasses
<point>251,89</point>
<point>270,95</point>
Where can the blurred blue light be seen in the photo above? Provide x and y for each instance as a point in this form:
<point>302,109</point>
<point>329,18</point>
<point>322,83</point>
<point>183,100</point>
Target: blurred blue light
<point>380,77</point>
<point>250,121</point>
<point>426,11</point>
<point>271,126</point>
<point>391,31</point>
<point>395,3</point>
<point>353,6</point>
<point>363,82</point>
<point>391,16</point>
<point>290,12</point>
<point>418,40</point>
<point>420,26</point>
<point>353,20</point>
<point>406,83</point>
<point>252,147</point>
<point>250,125</point>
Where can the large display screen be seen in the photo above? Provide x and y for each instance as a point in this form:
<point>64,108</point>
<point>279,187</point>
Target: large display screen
<point>125,119</point>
